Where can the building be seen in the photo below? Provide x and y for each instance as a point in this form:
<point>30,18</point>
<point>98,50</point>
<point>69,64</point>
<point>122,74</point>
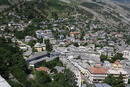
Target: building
<point>116,65</point>
<point>54,54</point>
<point>40,47</point>
<point>44,69</point>
<point>108,51</point>
<point>116,73</point>
<point>78,77</point>
<point>3,82</point>
<point>101,85</point>
<point>75,34</point>
<point>29,38</point>
<point>96,74</point>
<point>116,70</point>
<point>126,54</point>
<point>37,56</point>
<point>53,40</point>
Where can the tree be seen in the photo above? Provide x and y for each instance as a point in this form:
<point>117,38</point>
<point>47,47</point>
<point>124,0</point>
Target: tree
<point>65,79</point>
<point>49,47</point>
<point>118,56</point>
<point>32,43</point>
<point>42,78</point>
<point>129,81</point>
<point>76,44</point>
<point>115,81</point>
<point>12,62</point>
<point>82,35</point>
<point>15,84</point>
<point>103,57</point>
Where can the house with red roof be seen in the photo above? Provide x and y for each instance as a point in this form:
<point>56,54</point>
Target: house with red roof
<point>44,69</point>
<point>75,34</point>
<point>96,74</point>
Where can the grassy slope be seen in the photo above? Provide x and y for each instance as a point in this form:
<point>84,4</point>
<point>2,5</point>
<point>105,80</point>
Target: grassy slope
<point>44,9</point>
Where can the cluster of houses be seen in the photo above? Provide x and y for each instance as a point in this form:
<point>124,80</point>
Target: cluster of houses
<point>100,38</point>
<point>97,74</point>
<point>87,61</point>
<point>17,26</point>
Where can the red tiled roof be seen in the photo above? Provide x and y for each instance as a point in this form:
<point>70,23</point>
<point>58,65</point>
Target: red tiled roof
<point>42,69</point>
<point>98,70</point>
<point>117,62</point>
<point>74,32</point>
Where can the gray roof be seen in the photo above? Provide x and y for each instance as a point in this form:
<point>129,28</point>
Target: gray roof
<point>3,82</point>
<point>128,85</point>
<point>37,55</point>
<point>84,85</point>
<point>102,85</point>
<point>59,69</point>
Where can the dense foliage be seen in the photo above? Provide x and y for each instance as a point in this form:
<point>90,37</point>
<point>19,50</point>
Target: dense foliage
<point>49,47</point>
<point>4,2</point>
<point>91,5</point>
<point>61,79</point>
<point>12,61</point>
<point>118,56</point>
<point>115,81</point>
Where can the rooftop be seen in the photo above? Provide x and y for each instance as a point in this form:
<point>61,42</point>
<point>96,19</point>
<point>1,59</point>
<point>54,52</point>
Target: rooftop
<point>117,62</point>
<point>102,85</point>
<point>42,69</point>
<point>38,54</point>
<point>98,70</point>
<point>3,82</point>
<point>74,32</point>
<point>111,71</point>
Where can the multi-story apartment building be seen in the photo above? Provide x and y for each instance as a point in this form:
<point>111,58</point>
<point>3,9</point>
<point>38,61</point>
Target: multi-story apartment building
<point>117,69</point>
<point>96,74</point>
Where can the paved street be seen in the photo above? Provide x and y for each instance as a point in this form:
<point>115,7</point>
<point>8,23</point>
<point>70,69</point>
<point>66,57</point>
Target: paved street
<point>28,52</point>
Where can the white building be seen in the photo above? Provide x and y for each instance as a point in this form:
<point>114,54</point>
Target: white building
<point>126,54</point>
<point>116,73</point>
<point>96,74</point>
<point>116,70</point>
<point>78,76</point>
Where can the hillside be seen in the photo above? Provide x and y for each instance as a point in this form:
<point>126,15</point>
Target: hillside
<point>105,10</point>
<point>45,9</point>
<point>122,1</point>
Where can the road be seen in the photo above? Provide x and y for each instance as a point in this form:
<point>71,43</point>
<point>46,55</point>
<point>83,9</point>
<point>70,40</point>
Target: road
<point>28,52</point>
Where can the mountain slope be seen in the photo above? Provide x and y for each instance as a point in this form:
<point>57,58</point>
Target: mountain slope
<point>104,10</point>
<point>122,1</point>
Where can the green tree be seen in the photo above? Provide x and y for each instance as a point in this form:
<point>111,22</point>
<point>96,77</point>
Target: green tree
<point>76,44</point>
<point>129,81</point>
<point>32,43</point>
<point>12,62</point>
<point>65,79</point>
<point>42,78</point>
<point>118,56</point>
<point>49,47</point>
<point>103,57</point>
<point>115,81</point>
<point>82,34</point>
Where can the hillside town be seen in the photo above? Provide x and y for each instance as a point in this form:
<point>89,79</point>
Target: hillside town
<point>91,49</point>
<point>79,50</point>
